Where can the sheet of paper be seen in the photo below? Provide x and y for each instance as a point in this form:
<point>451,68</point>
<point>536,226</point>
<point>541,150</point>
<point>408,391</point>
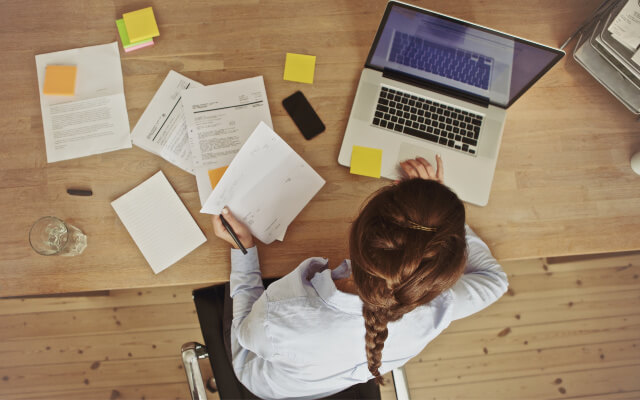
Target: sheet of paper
<point>299,68</point>
<point>219,120</point>
<point>158,222</point>
<point>625,28</point>
<point>161,129</point>
<point>95,119</point>
<point>366,161</point>
<point>266,186</point>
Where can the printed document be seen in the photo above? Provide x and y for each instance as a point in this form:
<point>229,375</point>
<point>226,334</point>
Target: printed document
<point>266,186</point>
<point>219,120</point>
<point>161,129</point>
<point>95,119</point>
<point>158,222</point>
<point>625,28</point>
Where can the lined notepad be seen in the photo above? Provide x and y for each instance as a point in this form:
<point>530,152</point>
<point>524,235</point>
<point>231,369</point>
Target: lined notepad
<point>158,222</point>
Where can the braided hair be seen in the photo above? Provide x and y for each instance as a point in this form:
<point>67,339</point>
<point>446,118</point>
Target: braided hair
<point>396,265</point>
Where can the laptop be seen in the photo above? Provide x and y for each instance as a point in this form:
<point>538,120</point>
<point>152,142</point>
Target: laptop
<point>434,84</point>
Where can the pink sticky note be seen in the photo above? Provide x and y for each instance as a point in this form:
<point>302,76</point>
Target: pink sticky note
<point>138,46</point>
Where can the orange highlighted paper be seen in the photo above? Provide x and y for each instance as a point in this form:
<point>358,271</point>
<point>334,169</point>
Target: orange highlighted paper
<point>299,68</point>
<point>215,175</point>
<point>366,161</point>
<point>60,80</point>
<point>141,24</point>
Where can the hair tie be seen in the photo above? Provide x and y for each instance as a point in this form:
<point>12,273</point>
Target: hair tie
<point>419,227</point>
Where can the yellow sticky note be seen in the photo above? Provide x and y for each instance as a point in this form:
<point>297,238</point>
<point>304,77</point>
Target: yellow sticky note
<point>299,68</point>
<point>366,161</point>
<point>215,175</point>
<point>60,80</point>
<point>140,24</point>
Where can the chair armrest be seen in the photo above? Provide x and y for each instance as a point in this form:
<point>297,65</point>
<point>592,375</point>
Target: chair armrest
<point>401,384</point>
<point>191,352</point>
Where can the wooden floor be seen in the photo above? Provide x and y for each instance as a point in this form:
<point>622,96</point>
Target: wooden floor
<point>565,330</point>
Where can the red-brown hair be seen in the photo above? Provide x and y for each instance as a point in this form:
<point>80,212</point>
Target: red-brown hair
<point>397,267</point>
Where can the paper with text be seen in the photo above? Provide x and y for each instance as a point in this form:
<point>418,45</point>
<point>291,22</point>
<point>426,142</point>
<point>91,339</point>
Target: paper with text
<point>625,28</point>
<point>158,222</point>
<point>95,119</point>
<point>161,129</point>
<point>266,186</point>
<point>219,120</point>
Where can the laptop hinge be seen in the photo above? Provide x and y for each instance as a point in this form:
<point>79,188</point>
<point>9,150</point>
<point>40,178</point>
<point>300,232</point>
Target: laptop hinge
<point>436,87</point>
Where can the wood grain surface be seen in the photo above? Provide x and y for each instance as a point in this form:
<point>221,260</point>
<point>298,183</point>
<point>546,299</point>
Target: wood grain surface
<point>563,183</point>
<point>564,330</point>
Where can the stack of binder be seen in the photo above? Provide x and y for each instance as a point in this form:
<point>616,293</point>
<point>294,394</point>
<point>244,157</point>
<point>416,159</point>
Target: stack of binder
<point>614,62</point>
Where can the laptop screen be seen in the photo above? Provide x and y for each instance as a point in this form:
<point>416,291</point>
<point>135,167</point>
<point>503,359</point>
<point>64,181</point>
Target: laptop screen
<point>459,55</point>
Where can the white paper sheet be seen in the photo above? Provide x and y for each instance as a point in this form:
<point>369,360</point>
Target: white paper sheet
<point>266,186</point>
<point>161,129</point>
<point>158,222</point>
<point>625,28</point>
<point>219,120</point>
<point>95,119</point>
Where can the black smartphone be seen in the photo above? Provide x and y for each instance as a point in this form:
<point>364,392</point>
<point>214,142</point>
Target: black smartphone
<point>303,115</point>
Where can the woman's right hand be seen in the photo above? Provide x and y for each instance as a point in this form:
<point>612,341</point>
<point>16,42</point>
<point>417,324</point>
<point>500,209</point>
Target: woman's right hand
<point>242,231</point>
<point>421,168</point>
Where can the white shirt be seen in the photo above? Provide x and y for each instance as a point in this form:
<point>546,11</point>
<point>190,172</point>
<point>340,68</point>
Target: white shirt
<point>304,339</point>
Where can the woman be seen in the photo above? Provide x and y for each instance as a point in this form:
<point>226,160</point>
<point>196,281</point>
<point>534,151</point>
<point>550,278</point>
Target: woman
<point>415,267</point>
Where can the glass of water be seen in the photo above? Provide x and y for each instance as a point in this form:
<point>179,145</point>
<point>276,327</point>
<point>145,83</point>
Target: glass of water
<point>50,236</point>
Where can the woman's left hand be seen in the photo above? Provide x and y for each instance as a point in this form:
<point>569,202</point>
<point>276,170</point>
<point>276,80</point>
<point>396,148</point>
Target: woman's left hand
<point>421,168</point>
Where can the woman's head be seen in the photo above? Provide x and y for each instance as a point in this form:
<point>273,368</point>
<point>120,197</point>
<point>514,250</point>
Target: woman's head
<point>407,246</point>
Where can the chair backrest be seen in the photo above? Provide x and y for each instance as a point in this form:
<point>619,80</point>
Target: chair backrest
<point>210,309</point>
<point>210,304</point>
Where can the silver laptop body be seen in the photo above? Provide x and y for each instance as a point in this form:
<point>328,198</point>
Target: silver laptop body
<point>424,65</point>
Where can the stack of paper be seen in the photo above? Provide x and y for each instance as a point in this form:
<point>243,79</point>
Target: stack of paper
<point>158,222</point>
<point>266,186</point>
<point>625,28</point>
<point>219,120</point>
<point>608,50</point>
<point>200,129</point>
<point>137,29</point>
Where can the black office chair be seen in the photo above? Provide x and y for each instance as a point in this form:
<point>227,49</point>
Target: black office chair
<point>210,309</point>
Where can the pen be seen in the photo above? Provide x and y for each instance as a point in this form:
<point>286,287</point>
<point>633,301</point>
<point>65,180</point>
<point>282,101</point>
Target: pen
<point>233,234</point>
<point>79,192</point>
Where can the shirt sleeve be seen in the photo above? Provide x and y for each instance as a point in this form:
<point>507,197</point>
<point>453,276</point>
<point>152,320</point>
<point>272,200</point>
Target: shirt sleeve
<point>245,282</point>
<point>249,339</point>
<point>483,281</point>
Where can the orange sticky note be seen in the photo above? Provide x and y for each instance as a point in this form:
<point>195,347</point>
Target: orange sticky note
<point>141,24</point>
<point>366,161</point>
<point>215,175</point>
<point>60,80</point>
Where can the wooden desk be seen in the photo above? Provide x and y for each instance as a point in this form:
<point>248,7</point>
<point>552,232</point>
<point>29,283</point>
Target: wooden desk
<point>563,184</point>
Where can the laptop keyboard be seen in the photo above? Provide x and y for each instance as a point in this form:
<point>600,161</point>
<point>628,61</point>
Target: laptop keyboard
<point>427,119</point>
<point>460,65</point>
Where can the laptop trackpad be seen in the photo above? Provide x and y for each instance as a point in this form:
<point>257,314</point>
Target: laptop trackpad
<point>408,151</point>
